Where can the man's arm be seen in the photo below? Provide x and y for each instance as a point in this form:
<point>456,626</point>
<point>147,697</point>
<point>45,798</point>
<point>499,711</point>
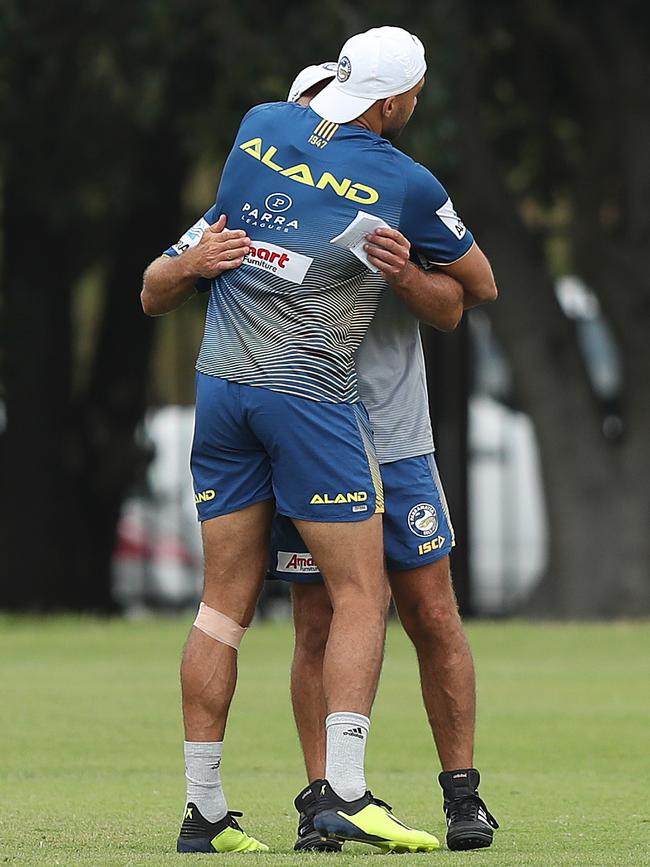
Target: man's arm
<point>433,297</point>
<point>170,280</point>
<point>430,222</point>
<point>474,273</point>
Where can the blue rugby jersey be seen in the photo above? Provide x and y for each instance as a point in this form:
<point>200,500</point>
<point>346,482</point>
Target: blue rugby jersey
<point>291,317</point>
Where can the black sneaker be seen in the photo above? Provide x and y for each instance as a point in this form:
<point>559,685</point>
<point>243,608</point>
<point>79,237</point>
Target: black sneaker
<point>225,835</point>
<point>309,840</point>
<point>469,823</point>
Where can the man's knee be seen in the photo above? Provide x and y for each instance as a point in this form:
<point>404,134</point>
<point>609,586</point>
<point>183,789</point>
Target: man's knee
<point>426,602</point>
<point>362,599</point>
<point>219,627</point>
<point>312,617</point>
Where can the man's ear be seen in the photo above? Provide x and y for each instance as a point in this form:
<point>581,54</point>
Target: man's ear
<point>388,107</point>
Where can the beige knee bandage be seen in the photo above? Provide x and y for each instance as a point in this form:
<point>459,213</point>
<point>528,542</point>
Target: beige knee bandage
<point>218,626</point>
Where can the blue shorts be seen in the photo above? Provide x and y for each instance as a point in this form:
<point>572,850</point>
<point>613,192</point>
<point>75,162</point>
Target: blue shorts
<point>417,527</point>
<point>316,459</point>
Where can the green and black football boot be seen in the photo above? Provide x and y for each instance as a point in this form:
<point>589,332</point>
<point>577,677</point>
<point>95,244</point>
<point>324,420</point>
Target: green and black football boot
<point>367,820</point>
<point>225,835</point>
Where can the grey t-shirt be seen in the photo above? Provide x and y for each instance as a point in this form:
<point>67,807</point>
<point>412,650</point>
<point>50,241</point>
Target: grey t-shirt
<point>392,381</point>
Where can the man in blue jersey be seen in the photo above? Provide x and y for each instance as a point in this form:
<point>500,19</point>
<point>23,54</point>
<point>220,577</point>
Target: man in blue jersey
<point>418,537</point>
<point>278,418</point>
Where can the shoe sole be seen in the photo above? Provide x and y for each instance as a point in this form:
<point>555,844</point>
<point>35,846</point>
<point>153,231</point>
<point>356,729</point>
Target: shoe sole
<point>315,843</point>
<point>469,841</point>
<point>195,844</point>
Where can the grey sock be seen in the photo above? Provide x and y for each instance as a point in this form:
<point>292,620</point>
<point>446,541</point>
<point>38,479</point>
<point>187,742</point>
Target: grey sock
<point>346,748</point>
<point>203,776</point>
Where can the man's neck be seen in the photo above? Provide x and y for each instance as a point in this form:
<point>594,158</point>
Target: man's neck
<point>371,119</point>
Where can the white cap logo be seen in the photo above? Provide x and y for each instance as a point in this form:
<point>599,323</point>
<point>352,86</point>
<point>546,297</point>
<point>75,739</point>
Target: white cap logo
<point>344,69</point>
<point>382,62</point>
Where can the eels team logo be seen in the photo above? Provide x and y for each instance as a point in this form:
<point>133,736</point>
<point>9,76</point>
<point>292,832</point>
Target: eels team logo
<point>344,69</point>
<point>423,520</point>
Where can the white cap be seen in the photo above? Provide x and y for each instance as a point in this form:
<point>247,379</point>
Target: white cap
<point>382,62</point>
<point>309,76</point>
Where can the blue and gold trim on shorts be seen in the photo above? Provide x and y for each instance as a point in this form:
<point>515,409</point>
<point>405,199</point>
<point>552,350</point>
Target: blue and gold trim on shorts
<point>416,522</point>
<point>365,431</point>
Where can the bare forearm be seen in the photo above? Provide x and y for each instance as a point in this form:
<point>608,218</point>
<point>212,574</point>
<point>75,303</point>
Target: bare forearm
<point>168,282</point>
<point>433,297</point>
<point>475,274</point>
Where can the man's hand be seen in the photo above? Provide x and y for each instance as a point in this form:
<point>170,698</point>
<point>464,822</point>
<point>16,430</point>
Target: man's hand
<point>389,251</point>
<point>169,281</point>
<point>219,250</point>
<point>431,296</point>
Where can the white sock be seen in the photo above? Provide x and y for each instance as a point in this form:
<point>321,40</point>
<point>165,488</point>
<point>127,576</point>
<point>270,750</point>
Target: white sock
<point>346,748</point>
<point>203,776</point>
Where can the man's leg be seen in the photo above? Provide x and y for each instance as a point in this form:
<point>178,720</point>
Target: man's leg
<point>428,610</point>
<point>350,557</point>
<point>236,555</point>
<point>312,616</point>
<point>426,604</point>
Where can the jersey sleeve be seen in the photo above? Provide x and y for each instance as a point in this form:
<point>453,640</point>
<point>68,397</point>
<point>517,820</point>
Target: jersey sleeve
<point>194,234</point>
<point>190,239</point>
<point>429,221</point>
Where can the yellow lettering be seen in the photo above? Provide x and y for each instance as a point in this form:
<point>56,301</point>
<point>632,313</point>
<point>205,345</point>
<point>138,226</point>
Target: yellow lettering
<point>253,147</point>
<point>355,193</point>
<point>349,497</point>
<point>339,187</point>
<point>433,545</point>
<point>267,159</point>
<point>300,173</point>
<point>205,496</point>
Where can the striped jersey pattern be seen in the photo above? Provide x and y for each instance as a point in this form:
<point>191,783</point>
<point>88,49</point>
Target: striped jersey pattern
<point>291,317</point>
<point>301,343</point>
<point>392,382</point>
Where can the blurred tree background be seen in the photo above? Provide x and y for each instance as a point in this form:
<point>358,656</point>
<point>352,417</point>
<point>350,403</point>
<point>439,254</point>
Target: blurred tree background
<point>116,119</point>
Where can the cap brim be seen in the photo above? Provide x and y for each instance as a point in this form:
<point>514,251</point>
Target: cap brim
<point>332,104</point>
<point>308,78</point>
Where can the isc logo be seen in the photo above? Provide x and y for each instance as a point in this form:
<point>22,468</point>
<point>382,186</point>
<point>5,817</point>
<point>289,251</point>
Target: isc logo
<point>205,496</point>
<point>433,545</point>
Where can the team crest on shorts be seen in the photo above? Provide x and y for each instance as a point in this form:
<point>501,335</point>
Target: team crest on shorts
<point>423,520</point>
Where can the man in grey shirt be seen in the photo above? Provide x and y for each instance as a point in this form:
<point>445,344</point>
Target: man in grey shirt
<point>418,537</point>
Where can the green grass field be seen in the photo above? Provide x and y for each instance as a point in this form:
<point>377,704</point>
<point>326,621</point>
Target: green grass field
<point>91,761</point>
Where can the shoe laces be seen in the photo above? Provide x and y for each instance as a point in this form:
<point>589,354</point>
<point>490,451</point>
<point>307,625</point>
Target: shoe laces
<point>233,823</point>
<point>380,803</point>
<point>466,809</point>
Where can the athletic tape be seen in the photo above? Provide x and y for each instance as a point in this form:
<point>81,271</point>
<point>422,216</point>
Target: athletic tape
<point>218,626</point>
